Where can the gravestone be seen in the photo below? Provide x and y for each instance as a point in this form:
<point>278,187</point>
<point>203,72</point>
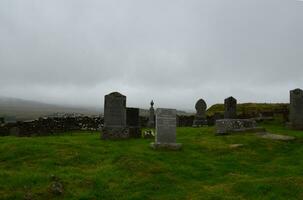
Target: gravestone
<point>151,118</point>
<point>200,118</point>
<point>166,130</point>
<point>229,126</point>
<point>115,117</point>
<point>296,109</point>
<point>133,122</point>
<point>230,106</point>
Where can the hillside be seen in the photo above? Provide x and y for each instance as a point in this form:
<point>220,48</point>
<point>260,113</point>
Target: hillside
<point>27,110</point>
<point>250,107</point>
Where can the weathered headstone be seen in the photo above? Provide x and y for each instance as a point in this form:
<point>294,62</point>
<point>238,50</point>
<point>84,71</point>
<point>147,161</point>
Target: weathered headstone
<point>200,118</point>
<point>230,106</point>
<point>151,118</point>
<point>296,109</point>
<point>133,122</point>
<point>228,126</point>
<point>166,130</point>
<point>115,117</point>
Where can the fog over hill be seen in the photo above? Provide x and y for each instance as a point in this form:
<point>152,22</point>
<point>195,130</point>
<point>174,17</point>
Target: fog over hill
<point>73,52</point>
<point>26,109</point>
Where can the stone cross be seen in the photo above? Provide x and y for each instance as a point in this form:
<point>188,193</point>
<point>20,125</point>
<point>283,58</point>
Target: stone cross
<point>200,118</point>
<point>151,118</point>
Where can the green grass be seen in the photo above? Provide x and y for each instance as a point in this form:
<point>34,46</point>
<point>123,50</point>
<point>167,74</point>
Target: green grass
<point>206,168</point>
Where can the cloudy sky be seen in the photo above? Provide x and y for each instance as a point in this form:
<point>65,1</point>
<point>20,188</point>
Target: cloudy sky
<point>73,52</point>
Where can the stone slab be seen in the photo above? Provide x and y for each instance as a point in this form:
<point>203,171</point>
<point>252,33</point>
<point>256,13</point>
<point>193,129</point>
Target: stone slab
<point>228,126</point>
<point>166,146</point>
<point>115,126</point>
<point>296,109</point>
<point>166,123</point>
<point>230,107</point>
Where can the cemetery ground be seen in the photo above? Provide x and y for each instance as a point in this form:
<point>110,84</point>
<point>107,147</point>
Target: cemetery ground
<point>79,165</point>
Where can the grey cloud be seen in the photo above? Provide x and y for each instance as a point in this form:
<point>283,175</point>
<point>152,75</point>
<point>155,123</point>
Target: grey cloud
<point>174,51</point>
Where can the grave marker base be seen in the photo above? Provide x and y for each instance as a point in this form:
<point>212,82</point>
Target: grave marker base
<point>166,146</point>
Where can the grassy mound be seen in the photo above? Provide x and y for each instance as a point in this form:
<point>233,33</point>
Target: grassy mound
<point>86,167</point>
<point>251,108</point>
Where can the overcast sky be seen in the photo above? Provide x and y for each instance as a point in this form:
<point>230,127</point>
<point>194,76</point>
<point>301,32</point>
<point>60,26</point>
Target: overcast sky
<point>74,52</point>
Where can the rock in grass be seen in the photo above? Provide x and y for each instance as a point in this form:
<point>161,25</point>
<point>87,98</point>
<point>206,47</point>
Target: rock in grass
<point>28,196</point>
<point>235,146</point>
<point>56,186</point>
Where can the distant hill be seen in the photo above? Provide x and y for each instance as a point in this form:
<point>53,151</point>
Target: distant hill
<point>250,107</point>
<point>145,112</point>
<point>27,110</point>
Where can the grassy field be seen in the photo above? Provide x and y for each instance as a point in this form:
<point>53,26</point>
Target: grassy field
<point>206,168</point>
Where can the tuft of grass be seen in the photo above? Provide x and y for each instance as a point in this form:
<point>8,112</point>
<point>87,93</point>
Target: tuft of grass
<point>206,167</point>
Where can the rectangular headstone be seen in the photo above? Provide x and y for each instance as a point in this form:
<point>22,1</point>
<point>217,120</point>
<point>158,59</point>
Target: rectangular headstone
<point>115,117</point>
<point>230,107</point>
<point>296,109</point>
<point>132,117</point>
<point>115,110</point>
<point>133,122</point>
<point>166,125</point>
<point>166,129</point>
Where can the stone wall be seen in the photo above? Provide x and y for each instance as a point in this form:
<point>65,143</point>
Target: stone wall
<point>185,121</point>
<point>50,126</point>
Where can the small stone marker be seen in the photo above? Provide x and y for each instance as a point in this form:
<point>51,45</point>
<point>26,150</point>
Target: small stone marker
<point>133,122</point>
<point>151,118</point>
<point>296,109</point>
<point>115,117</point>
<point>235,146</point>
<point>200,118</point>
<point>166,130</point>
<point>230,106</point>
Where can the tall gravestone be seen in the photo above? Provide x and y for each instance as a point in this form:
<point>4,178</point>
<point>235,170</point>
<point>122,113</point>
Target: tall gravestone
<point>200,118</point>
<point>296,109</point>
<point>230,107</point>
<point>151,118</point>
<point>115,117</point>
<point>166,130</point>
<point>133,122</point>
